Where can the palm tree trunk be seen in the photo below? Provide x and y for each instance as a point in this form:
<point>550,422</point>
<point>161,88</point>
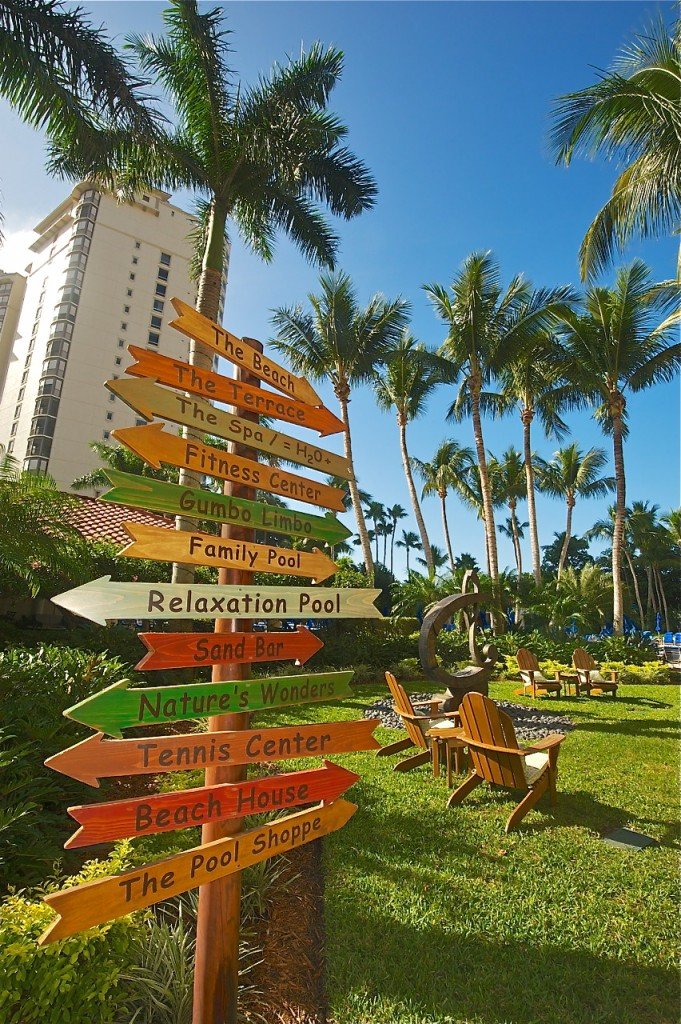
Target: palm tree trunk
<point>208,303</point>
<point>489,562</point>
<point>445,528</point>
<point>490,526</point>
<point>637,590</point>
<point>392,549</point>
<point>651,602</point>
<point>385,547</point>
<point>516,542</point>
<point>354,490</point>
<point>414,497</point>
<point>620,511</point>
<point>663,596</point>
<point>526,417</point>
<point>407,549</point>
<point>568,534</point>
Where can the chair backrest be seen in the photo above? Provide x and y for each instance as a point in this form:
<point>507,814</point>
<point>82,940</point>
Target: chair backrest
<point>668,638</point>
<point>527,661</point>
<point>677,638</point>
<point>404,706</point>
<point>485,725</point>
<point>582,660</point>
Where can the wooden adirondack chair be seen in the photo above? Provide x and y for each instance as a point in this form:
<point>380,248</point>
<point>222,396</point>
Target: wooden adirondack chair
<point>417,724</point>
<point>496,757</point>
<point>590,676</point>
<point>533,677</point>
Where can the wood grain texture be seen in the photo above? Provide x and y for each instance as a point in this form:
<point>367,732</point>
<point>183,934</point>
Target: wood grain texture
<point>106,899</point>
<point>184,808</point>
<point>192,650</point>
<point>157,447</point>
<point>161,545</point>
<point>213,386</point>
<point>97,758</point>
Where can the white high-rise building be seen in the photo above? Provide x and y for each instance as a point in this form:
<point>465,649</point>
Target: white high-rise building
<point>101,279</point>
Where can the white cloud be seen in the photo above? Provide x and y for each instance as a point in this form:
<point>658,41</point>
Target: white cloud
<point>14,250</point>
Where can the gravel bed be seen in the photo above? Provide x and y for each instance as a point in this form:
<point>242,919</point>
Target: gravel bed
<point>530,723</point>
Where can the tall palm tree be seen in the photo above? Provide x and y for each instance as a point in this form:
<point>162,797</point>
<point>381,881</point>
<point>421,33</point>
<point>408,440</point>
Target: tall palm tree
<point>631,115</point>
<point>439,477</point>
<point>343,343</point>
<point>515,531</point>
<point>375,511</point>
<point>672,521</point>
<point>405,384</point>
<point>487,325</point>
<point>410,542</point>
<point>439,559</point>
<point>621,341</point>
<point>573,474</point>
<point>395,513</point>
<point>510,483</point>
<point>637,524</point>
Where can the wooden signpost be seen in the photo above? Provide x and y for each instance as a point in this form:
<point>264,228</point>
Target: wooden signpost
<point>182,808</point>
<point>215,387</point>
<point>155,446</point>
<point>230,745</point>
<point>192,650</point>
<point>161,545</point>
<point>159,496</point>
<point>150,400</point>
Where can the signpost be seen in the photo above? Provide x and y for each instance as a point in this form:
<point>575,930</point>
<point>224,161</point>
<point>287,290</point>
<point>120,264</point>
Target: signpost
<point>192,650</point>
<point>153,445</point>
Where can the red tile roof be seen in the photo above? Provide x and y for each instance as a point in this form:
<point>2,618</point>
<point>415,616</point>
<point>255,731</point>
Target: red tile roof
<point>102,520</point>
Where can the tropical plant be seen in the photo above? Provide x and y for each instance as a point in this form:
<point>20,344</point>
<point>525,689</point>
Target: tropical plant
<point>121,458</point>
<point>487,326</point>
<point>622,340</point>
<point>577,554</point>
<point>514,530</point>
<point>631,115</point>
<point>581,597</point>
<point>343,343</point>
<point>439,477</point>
<point>573,474</point>
<point>672,521</point>
<point>410,542</point>
<point>508,488</point>
<point>405,384</point>
<point>375,511</point>
<point>439,559</point>
<point>467,561</point>
<point>394,513</point>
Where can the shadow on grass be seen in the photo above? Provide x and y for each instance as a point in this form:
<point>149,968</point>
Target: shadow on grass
<point>661,728</point>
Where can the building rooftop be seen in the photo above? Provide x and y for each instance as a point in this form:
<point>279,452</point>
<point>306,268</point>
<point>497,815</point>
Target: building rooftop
<point>102,520</point>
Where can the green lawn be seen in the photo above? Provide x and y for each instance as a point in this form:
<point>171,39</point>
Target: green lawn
<point>435,916</point>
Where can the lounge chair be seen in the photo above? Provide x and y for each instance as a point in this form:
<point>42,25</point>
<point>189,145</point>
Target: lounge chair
<point>497,759</point>
<point>590,676</point>
<point>417,723</point>
<point>532,676</point>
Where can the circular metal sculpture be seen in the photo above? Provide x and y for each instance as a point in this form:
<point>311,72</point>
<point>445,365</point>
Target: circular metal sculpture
<point>476,675</point>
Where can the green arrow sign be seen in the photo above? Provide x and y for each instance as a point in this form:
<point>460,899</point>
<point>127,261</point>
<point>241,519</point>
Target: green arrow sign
<point>120,707</point>
<point>143,492</point>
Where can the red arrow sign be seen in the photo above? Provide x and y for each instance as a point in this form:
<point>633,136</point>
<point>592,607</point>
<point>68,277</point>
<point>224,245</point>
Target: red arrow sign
<point>190,650</point>
<point>165,812</point>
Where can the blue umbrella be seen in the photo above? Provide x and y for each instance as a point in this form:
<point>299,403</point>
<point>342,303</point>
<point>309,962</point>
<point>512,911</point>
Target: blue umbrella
<point>658,622</point>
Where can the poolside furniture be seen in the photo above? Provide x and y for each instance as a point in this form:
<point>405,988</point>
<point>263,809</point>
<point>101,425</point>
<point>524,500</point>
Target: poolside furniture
<point>590,676</point>
<point>497,759</point>
<point>454,748</point>
<point>417,723</point>
<point>533,677</point>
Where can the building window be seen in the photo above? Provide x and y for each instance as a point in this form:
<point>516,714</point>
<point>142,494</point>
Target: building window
<point>124,326</point>
<point>121,343</point>
<point>129,293</point>
<point>161,289</point>
<point>158,305</point>
<point>135,259</point>
<point>162,274</point>
<point>140,423</point>
<point>24,377</point>
<point>154,338</point>
<point>17,412</point>
<point>10,447</point>
<point>165,259</point>
<point>22,391</point>
<point>109,415</point>
<point>14,429</point>
<point>112,397</point>
<point>118,360</point>
<point>138,245</point>
<point>126,309</point>
<point>105,435</point>
<point>156,322</point>
<point>131,276</point>
<point>145,199</point>
<point>36,465</point>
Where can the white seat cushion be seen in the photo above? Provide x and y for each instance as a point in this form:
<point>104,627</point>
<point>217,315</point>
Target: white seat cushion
<point>534,766</point>
<point>539,678</point>
<point>435,723</point>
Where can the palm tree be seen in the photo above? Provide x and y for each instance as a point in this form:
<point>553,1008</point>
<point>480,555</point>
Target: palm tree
<point>407,381</point>
<point>515,530</point>
<point>440,474</point>
<point>340,342</point>
<point>510,483</point>
<point>618,343</point>
<point>573,474</point>
<point>395,513</point>
<point>375,511</point>
<point>672,521</point>
<point>636,526</point>
<point>632,115</point>
<point>410,542</point>
<point>439,559</point>
<point>486,327</point>
<point>121,458</point>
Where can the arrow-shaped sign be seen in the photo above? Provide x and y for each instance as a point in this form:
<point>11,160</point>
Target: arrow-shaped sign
<point>214,386</point>
<point>193,650</point>
<point>98,758</point>
<point>183,808</point>
<point>153,445</point>
<point>159,496</point>
<point>162,545</point>
<point>227,345</point>
<point>149,400</point>
<point>106,899</point>
<point>103,600</point>
<point>121,707</point>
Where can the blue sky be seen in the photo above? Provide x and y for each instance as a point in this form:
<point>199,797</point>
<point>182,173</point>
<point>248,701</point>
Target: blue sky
<point>449,104</point>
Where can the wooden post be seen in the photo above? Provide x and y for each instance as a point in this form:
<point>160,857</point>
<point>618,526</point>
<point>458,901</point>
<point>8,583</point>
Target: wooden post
<point>216,971</point>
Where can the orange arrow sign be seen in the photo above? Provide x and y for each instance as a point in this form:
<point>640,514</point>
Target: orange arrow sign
<point>192,650</point>
<point>153,445</point>
<point>182,808</point>
<point>200,328</point>
<point>213,386</point>
<point>163,545</point>
<point>98,758</point>
<point>106,899</point>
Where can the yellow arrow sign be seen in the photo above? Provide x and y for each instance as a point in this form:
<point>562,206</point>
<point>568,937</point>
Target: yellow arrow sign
<point>149,400</point>
<point>163,545</point>
<point>226,344</point>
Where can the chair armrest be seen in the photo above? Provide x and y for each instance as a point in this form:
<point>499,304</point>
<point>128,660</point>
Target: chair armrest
<point>418,718</point>
<point>546,743</point>
<point>450,714</point>
<point>476,745</point>
<point>432,704</point>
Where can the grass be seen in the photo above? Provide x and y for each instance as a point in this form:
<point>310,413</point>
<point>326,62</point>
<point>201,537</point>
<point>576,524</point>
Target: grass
<point>435,916</point>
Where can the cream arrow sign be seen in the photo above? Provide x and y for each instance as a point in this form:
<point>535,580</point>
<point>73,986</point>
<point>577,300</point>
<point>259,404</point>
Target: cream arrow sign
<point>149,400</point>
